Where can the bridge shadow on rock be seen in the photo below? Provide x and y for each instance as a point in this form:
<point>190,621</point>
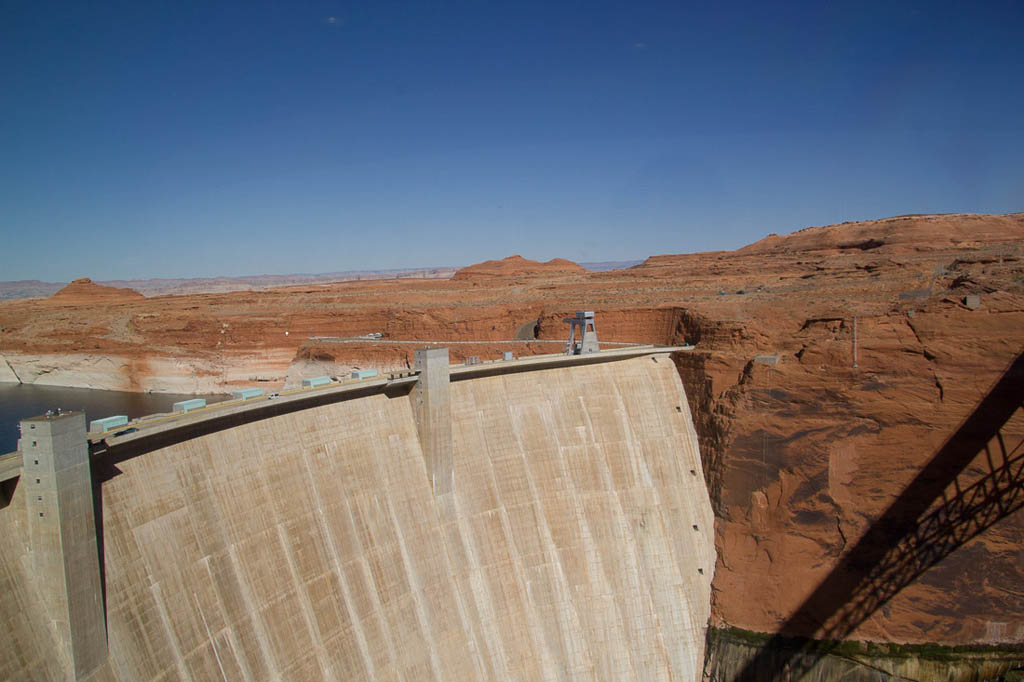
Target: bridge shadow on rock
<point>946,505</point>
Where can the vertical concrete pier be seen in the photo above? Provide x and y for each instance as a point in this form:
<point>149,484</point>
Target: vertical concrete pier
<point>62,530</point>
<point>432,410</point>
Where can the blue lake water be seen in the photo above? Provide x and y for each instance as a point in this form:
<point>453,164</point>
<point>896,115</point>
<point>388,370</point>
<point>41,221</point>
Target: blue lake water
<point>18,401</point>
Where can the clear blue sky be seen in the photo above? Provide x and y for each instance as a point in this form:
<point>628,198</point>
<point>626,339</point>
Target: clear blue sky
<point>180,139</point>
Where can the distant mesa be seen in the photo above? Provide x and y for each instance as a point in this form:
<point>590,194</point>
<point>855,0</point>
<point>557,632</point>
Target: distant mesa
<point>84,290</point>
<point>917,233</point>
<point>517,266</point>
<point>900,234</point>
<point>673,259</point>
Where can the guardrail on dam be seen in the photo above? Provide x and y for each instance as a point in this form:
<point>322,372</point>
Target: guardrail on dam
<point>536,519</point>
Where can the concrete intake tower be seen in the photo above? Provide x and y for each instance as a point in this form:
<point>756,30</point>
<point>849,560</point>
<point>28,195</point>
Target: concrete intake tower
<point>528,520</point>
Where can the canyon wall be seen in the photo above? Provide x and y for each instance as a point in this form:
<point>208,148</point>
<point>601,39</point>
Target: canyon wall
<point>150,373</point>
<point>577,543</point>
<point>806,451</point>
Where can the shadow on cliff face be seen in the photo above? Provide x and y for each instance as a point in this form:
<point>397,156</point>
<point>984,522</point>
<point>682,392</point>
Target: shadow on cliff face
<point>709,420</point>
<point>711,416</point>
<point>939,511</point>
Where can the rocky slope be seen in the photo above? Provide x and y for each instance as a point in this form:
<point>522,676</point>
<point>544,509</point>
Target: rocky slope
<point>803,447</point>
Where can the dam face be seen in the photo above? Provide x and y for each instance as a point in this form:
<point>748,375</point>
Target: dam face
<point>576,542</point>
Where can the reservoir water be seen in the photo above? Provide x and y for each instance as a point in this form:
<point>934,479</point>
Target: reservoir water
<point>18,401</point>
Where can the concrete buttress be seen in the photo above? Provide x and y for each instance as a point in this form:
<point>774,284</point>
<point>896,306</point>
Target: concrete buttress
<point>62,532</point>
<point>431,405</point>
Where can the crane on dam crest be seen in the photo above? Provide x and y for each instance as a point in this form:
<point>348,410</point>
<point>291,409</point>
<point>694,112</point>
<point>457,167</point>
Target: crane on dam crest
<point>588,334</point>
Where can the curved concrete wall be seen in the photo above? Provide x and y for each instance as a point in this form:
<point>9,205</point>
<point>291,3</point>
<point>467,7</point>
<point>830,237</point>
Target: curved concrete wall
<point>577,543</point>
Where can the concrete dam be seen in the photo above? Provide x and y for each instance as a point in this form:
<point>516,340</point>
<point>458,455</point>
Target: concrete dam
<point>533,520</point>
